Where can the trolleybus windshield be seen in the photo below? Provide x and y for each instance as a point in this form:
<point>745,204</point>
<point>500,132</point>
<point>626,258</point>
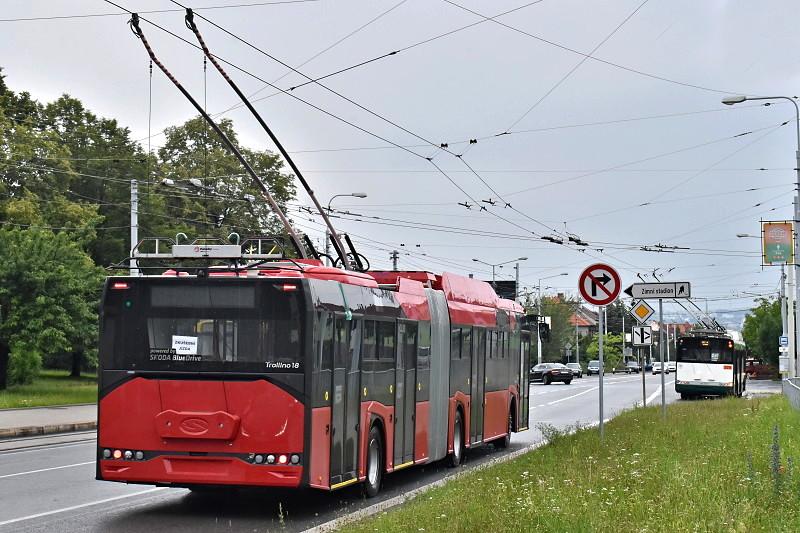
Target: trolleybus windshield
<point>705,350</point>
<point>203,326</point>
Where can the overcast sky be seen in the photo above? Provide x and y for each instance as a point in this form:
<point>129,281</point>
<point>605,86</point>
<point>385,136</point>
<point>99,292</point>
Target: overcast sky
<point>640,121</point>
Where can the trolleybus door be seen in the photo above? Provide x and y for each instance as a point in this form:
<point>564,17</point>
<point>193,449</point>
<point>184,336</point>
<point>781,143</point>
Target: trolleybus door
<point>405,394</point>
<point>478,382</point>
<point>345,400</point>
<point>524,388</point>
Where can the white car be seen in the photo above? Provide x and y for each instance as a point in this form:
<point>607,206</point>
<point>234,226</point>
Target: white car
<point>657,367</point>
<point>672,366</point>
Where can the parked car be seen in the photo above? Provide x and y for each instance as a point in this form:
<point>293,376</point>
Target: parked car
<point>672,366</point>
<point>550,372</point>
<point>577,371</point>
<point>593,368</point>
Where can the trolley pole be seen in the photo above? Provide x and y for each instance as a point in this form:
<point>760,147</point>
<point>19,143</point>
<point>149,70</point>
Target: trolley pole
<point>394,256</point>
<point>134,224</point>
<point>602,369</point>
<point>661,354</point>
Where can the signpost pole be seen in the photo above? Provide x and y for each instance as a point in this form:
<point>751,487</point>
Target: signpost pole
<point>642,365</point>
<point>661,354</point>
<point>602,369</point>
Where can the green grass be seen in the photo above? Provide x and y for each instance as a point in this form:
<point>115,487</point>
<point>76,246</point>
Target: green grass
<point>52,387</point>
<point>710,467</point>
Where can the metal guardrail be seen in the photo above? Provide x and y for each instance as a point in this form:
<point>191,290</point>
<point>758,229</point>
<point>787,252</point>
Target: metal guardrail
<point>791,389</point>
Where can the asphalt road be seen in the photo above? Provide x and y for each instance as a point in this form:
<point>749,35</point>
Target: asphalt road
<point>47,483</point>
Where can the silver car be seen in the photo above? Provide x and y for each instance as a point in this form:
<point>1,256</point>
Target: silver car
<point>577,371</point>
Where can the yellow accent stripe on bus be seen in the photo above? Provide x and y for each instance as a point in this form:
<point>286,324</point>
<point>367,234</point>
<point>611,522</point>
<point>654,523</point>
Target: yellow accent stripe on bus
<point>398,467</point>
<point>344,483</point>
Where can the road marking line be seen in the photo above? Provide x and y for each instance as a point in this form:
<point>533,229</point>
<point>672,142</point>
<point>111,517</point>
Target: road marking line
<point>657,392</point>
<point>573,396</point>
<point>46,469</point>
<point>81,506</point>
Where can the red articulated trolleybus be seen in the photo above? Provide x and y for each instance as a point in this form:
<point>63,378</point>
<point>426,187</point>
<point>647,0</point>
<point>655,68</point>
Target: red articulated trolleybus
<point>290,374</point>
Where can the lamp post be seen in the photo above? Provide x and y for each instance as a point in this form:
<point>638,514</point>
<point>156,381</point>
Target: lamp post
<point>328,233</point>
<point>495,265</point>
<point>793,292</point>
<point>539,317</point>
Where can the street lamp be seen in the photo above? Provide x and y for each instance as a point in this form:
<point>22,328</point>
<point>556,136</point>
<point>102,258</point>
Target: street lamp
<point>327,232</point>
<point>793,294</point>
<point>539,316</point>
<point>493,265</point>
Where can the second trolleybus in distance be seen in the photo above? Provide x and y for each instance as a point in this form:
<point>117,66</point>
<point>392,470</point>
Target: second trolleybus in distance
<point>708,364</point>
<point>295,374</point>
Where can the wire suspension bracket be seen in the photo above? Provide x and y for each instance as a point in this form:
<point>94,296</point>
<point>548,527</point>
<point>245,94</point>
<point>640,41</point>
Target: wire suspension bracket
<point>336,241</point>
<point>296,241</point>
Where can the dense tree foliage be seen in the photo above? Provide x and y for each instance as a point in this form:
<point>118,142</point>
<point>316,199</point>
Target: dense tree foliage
<point>762,328</point>
<point>65,181</point>
<point>612,350</point>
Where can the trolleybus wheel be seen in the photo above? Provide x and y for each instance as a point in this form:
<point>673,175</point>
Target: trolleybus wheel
<point>455,458</point>
<point>504,442</point>
<point>372,484</point>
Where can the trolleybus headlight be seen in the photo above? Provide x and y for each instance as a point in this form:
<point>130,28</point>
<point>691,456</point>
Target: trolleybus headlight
<point>117,454</point>
<point>282,459</point>
<point>139,455</point>
<point>128,455</point>
<point>259,459</point>
<point>106,454</point>
<point>294,458</point>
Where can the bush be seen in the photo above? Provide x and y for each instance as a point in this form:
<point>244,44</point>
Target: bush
<point>24,364</point>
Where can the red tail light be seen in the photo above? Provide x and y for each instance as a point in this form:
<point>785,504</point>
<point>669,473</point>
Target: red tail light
<point>727,367</point>
<point>287,287</point>
<point>120,285</point>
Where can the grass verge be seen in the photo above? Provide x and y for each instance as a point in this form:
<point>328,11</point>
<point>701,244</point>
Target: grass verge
<point>52,387</point>
<point>714,465</point>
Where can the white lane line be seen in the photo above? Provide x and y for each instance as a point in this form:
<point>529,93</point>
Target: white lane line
<point>46,469</point>
<point>81,506</point>
<point>573,396</point>
<point>657,392</point>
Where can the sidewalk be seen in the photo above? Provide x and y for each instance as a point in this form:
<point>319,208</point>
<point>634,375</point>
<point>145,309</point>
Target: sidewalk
<point>46,420</point>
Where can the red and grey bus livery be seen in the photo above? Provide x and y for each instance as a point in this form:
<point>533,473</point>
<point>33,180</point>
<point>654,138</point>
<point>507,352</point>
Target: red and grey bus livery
<point>297,374</point>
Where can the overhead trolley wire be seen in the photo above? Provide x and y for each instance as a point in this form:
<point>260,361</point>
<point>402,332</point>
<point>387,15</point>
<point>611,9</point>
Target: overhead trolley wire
<point>573,69</point>
<point>153,11</point>
<point>599,60</point>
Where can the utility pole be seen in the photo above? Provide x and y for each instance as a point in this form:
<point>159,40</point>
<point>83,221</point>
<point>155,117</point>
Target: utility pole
<point>516,282</point>
<point>134,224</point>
<point>661,353</point>
<point>577,339</point>
<point>394,256</point>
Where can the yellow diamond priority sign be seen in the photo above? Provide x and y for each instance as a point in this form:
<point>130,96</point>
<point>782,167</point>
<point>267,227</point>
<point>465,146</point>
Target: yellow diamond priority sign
<point>642,312</point>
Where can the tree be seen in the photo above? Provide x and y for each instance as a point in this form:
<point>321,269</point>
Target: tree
<point>49,288</point>
<point>762,327</point>
<point>194,155</point>
<point>612,350</point>
<point>559,309</point>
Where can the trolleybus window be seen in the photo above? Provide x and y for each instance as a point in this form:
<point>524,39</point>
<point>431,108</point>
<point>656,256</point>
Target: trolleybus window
<point>705,350</point>
<point>228,326</point>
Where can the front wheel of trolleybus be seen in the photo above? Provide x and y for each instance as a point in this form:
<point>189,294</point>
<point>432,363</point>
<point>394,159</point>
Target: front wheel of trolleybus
<point>372,484</point>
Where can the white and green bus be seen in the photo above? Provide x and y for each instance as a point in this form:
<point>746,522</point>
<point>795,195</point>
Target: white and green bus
<point>709,365</point>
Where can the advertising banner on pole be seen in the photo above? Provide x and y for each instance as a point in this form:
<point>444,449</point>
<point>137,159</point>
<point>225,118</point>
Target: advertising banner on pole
<point>777,242</point>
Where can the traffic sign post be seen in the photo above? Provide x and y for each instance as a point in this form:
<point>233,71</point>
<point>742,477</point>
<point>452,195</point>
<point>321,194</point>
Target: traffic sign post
<point>600,284</point>
<point>668,291</point>
<point>642,311</point>
<point>783,341</point>
<point>642,335</point>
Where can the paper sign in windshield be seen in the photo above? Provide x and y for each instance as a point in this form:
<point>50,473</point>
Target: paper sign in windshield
<point>184,345</point>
